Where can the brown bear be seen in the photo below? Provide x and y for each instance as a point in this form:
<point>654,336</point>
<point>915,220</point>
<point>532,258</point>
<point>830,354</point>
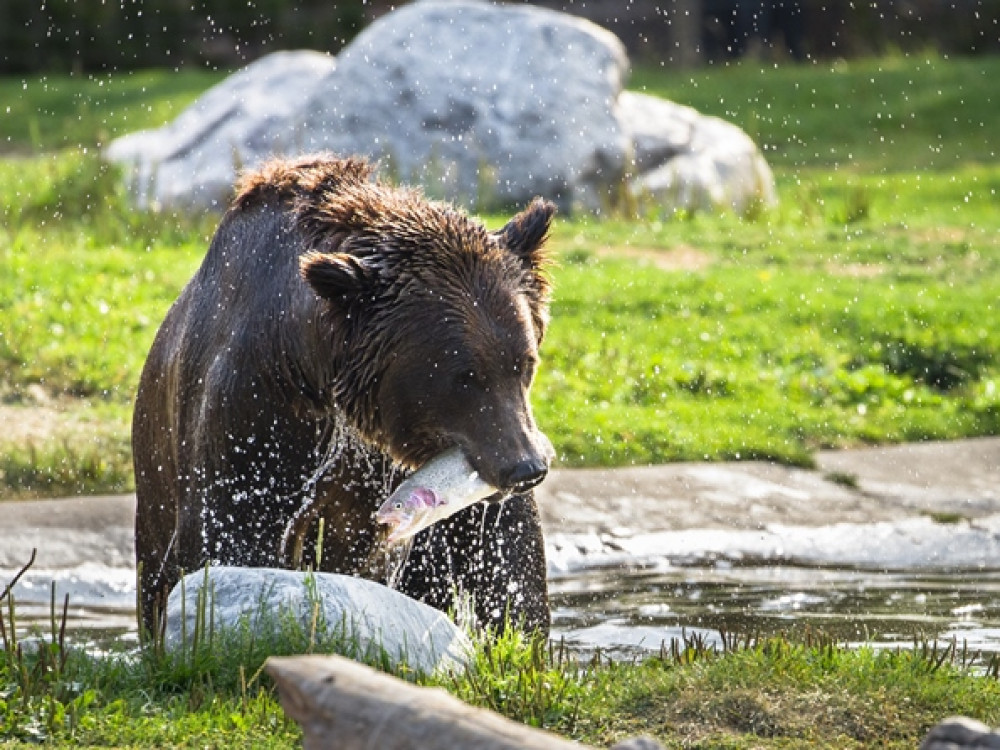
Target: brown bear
<point>339,333</point>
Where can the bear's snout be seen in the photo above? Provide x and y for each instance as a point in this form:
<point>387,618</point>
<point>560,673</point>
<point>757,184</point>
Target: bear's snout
<point>530,468</point>
<point>523,475</point>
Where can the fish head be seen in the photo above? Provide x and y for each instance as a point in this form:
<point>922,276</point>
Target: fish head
<point>404,512</point>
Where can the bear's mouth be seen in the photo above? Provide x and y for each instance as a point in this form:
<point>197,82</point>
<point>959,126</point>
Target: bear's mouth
<point>497,497</point>
<point>412,456</point>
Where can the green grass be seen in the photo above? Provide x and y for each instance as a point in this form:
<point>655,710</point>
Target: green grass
<point>84,283</point>
<point>56,111</point>
<point>887,115</point>
<point>798,332</point>
<point>772,693</point>
<point>858,311</point>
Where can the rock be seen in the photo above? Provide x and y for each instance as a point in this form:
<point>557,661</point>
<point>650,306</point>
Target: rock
<point>638,743</point>
<point>686,160</point>
<point>483,103</point>
<point>192,161</point>
<point>487,105</point>
<point>353,609</point>
<point>960,733</point>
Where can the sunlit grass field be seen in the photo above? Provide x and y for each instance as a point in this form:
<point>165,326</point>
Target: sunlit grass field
<point>863,309</point>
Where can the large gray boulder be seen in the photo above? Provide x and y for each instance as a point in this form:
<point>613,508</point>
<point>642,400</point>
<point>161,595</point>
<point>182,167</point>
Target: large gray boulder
<point>482,103</point>
<point>488,105</point>
<point>373,618</point>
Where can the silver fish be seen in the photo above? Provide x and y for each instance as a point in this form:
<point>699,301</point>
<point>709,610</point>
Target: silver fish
<point>440,488</point>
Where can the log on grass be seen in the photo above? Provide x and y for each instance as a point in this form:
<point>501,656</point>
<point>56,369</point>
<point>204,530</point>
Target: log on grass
<point>340,703</point>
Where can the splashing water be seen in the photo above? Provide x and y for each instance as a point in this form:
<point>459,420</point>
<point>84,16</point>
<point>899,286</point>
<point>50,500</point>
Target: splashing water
<point>339,440</point>
<point>396,557</point>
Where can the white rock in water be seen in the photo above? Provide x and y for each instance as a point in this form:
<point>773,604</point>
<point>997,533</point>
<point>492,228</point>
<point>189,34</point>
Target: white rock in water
<point>366,613</point>
<point>192,162</point>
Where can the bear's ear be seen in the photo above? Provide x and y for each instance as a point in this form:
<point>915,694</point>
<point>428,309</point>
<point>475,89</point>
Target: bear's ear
<point>525,234</point>
<point>337,277</point>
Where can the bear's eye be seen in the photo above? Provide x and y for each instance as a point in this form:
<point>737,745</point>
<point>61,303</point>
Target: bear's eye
<point>467,378</point>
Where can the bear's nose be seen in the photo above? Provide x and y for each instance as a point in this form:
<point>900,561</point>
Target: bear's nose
<point>524,475</point>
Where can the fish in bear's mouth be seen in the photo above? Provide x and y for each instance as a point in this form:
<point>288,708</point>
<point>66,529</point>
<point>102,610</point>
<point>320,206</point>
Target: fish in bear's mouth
<point>440,488</point>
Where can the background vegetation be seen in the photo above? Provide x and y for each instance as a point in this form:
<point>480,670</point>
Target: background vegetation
<point>67,35</point>
<point>863,309</point>
<point>90,37</point>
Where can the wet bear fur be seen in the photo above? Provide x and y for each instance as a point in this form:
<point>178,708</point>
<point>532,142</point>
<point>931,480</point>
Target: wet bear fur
<point>339,333</point>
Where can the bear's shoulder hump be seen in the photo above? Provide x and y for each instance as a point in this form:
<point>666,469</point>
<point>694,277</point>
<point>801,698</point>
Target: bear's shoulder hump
<point>289,179</point>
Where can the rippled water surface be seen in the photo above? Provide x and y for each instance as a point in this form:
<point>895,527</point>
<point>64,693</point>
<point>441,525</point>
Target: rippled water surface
<point>629,611</point>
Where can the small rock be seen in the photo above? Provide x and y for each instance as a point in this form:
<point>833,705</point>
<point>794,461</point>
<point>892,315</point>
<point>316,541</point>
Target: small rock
<point>361,612</point>
<point>638,743</point>
<point>961,733</point>
<point>686,160</point>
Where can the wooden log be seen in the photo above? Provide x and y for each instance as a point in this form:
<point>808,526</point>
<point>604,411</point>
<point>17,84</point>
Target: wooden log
<point>340,703</point>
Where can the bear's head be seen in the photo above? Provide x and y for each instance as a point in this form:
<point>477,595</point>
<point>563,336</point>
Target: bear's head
<point>436,326</point>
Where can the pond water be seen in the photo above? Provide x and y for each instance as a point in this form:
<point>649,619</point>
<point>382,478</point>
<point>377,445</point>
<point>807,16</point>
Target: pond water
<point>626,611</point>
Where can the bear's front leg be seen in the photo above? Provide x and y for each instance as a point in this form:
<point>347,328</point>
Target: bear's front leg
<point>494,553</point>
